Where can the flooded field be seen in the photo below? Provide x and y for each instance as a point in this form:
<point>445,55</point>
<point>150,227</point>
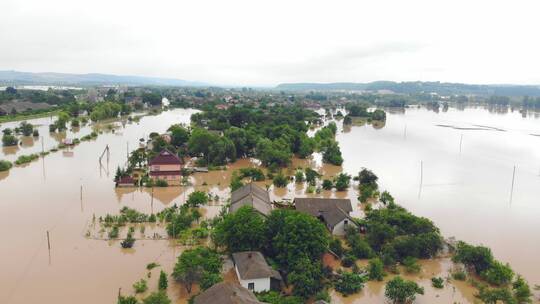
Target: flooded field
<point>467,194</point>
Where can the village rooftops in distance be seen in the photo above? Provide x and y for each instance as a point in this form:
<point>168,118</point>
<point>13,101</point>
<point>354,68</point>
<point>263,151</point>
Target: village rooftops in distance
<point>226,293</point>
<point>334,213</point>
<point>251,195</point>
<point>166,166</point>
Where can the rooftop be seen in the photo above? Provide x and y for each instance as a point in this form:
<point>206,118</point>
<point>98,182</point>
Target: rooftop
<point>252,265</point>
<point>332,210</point>
<point>226,293</point>
<point>165,157</point>
<point>251,195</point>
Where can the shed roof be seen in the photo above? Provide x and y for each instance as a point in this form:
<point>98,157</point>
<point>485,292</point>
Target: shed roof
<point>332,210</point>
<point>252,265</point>
<point>251,195</point>
<point>226,293</point>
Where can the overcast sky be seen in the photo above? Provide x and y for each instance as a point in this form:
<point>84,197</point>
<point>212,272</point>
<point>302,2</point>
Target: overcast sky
<point>259,42</point>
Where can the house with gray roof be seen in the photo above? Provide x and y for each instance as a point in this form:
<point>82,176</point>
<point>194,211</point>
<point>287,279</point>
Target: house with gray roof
<point>254,273</point>
<point>334,213</point>
<point>226,293</point>
<point>251,195</point>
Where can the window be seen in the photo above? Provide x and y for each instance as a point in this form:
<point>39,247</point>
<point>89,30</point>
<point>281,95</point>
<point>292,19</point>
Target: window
<point>156,168</point>
<point>346,222</point>
<point>251,286</point>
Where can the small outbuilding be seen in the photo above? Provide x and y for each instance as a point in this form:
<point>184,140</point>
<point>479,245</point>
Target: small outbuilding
<point>226,293</point>
<point>125,181</point>
<point>251,195</point>
<point>334,213</point>
<point>254,273</point>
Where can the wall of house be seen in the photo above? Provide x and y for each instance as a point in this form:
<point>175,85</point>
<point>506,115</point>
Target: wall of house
<point>262,284</point>
<point>165,168</point>
<point>339,229</point>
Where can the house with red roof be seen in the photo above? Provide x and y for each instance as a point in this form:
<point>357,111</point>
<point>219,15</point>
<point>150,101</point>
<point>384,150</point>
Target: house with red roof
<point>166,166</point>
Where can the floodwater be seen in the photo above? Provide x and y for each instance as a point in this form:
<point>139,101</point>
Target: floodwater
<point>467,195</point>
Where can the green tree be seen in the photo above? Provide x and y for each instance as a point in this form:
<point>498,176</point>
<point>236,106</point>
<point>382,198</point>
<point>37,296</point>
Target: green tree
<point>158,297</point>
<point>332,154</point>
<point>241,231</point>
<point>294,235</point>
<point>209,279</point>
<point>9,140</point>
<point>401,291</point>
<point>522,291</point>
<point>349,283</point>
<point>127,300</point>
<point>498,274</point>
<point>306,276</point>
<point>342,182</point>
<point>179,135</point>
<point>376,269</point>
<point>193,263</point>
<point>197,199</point>
<point>163,283</point>
<point>5,165</point>
<point>478,257</point>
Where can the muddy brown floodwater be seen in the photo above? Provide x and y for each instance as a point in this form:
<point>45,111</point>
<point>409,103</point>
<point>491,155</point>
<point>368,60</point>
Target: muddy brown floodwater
<point>466,194</point>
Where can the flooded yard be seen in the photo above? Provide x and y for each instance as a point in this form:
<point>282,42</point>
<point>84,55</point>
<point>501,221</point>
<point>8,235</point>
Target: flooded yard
<point>466,194</point>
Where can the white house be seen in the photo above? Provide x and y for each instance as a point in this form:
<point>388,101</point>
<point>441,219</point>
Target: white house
<point>254,273</point>
<point>334,213</point>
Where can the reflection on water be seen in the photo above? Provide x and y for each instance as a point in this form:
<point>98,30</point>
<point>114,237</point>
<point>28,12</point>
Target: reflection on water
<point>466,195</point>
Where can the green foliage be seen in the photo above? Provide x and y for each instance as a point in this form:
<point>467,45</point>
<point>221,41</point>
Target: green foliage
<point>367,177</point>
<point>479,258</point>
<point>159,297</point>
<point>9,140</point>
<point>293,235</point>
<point>255,174</point>
<point>311,176</point>
<point>336,246</point>
<point>411,265</point>
<point>437,282</point>
<point>5,165</point>
<point>459,275</point>
<point>179,135</point>
<point>401,291</point>
<point>342,182</point>
<point>127,300</point>
<point>332,154</point>
<point>306,276</point>
<point>197,199</point>
<point>161,183</point>
<point>376,269</point>
<point>386,198</point>
<point>163,283</point>
<point>180,220</point>
<point>104,110</point>
<point>241,231</point>
<point>348,260</point>
<point>280,180</point>
<point>498,274</point>
<point>358,246</point>
<point>327,184</point>
<point>522,291</point>
<point>299,176</point>
<point>113,233</point>
<point>151,266</point>
<point>214,149</point>
<point>236,181</point>
<point>349,283</point>
<point>496,295</point>
<point>129,241</point>
<point>140,286</point>
<point>209,279</point>
<point>154,99</point>
<point>274,297</point>
<point>192,265</point>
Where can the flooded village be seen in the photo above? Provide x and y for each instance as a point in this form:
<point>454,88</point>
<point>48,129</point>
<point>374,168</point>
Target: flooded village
<point>111,204</point>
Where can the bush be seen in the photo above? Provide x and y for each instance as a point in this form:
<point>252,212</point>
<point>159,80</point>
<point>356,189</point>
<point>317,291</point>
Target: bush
<point>161,183</point>
<point>327,184</point>
<point>140,286</point>
<point>402,291</point>
<point>342,182</point>
<point>163,283</point>
<point>349,283</point>
<point>197,199</point>
<point>5,165</point>
<point>9,140</point>
<point>159,297</point>
<point>336,247</point>
<point>376,269</point>
<point>498,274</point>
<point>128,242</point>
<point>299,176</point>
<point>348,260</point>
<point>459,275</point>
<point>280,180</point>
<point>437,282</point>
<point>411,265</point>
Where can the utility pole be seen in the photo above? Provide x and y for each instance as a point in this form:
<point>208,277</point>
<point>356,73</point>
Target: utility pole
<point>460,143</point>
<point>512,188</point>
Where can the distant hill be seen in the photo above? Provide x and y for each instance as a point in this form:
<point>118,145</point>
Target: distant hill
<point>26,78</point>
<point>441,88</point>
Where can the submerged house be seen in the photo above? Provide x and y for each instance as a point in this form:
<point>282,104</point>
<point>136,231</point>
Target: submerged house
<point>254,273</point>
<point>166,166</point>
<point>251,195</point>
<point>334,213</point>
<point>226,293</point>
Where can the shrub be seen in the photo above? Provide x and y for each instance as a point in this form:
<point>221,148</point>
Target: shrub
<point>411,265</point>
<point>349,283</point>
<point>24,159</point>
<point>459,275</point>
<point>498,274</point>
<point>376,269</point>
<point>299,176</point>
<point>163,283</point>
<point>348,260</point>
<point>437,282</point>
<point>140,286</point>
<point>327,184</point>
<point>9,140</point>
<point>5,165</point>
<point>280,180</point>
<point>342,182</point>
<point>128,242</point>
<point>336,246</point>
<point>196,199</point>
<point>402,291</point>
<point>161,183</point>
<point>159,297</point>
